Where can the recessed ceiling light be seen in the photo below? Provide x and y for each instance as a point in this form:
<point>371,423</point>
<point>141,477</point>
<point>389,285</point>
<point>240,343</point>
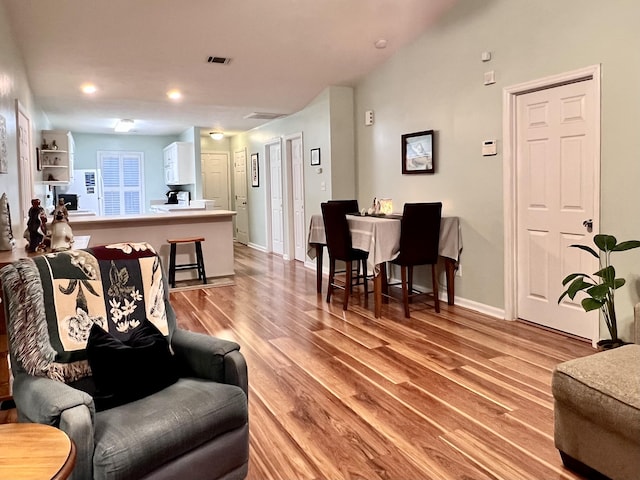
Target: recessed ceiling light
<point>217,135</point>
<point>381,43</point>
<point>89,88</point>
<point>124,125</point>
<point>174,94</point>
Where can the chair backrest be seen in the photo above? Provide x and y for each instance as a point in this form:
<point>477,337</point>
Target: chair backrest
<point>53,300</point>
<point>351,206</point>
<point>420,233</point>
<point>336,229</point>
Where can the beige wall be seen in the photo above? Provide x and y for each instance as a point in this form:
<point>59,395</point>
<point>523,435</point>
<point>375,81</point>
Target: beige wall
<point>437,83</point>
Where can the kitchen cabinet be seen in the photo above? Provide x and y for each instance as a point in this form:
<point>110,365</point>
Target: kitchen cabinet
<point>179,164</point>
<point>56,156</point>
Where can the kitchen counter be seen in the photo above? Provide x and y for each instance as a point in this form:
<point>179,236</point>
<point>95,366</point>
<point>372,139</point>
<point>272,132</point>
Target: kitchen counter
<point>216,226</point>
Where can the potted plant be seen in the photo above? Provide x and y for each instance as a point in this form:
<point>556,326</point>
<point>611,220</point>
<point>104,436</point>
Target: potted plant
<point>600,287</point>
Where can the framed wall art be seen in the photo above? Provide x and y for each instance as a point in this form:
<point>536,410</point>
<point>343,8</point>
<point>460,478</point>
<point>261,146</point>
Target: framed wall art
<point>315,156</point>
<point>255,170</point>
<point>417,152</point>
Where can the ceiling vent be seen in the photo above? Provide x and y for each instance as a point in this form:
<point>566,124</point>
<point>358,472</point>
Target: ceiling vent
<point>264,116</point>
<point>222,60</point>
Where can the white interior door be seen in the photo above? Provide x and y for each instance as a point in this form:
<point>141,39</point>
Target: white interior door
<point>240,186</point>
<point>297,193</point>
<point>25,163</point>
<point>215,179</point>
<point>274,159</point>
<point>557,169</point>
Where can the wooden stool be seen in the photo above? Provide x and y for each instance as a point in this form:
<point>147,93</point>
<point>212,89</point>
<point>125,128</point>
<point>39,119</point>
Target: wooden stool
<point>199,265</point>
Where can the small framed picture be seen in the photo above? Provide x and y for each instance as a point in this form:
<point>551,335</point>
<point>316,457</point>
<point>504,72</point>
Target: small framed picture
<point>315,156</point>
<point>417,153</point>
<point>255,170</point>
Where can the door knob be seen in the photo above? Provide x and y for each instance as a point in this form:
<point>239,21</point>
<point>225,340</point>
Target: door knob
<point>588,224</point>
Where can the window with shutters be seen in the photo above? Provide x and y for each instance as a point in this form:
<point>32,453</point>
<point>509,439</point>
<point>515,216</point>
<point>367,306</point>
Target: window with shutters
<point>122,182</point>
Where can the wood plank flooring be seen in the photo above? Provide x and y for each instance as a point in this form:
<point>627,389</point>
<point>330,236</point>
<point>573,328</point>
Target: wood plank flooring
<point>343,395</point>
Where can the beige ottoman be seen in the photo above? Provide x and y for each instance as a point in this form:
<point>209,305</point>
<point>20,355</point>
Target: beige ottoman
<point>597,412</point>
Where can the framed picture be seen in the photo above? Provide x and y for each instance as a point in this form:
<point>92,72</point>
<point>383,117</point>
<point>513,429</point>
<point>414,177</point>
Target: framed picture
<point>315,156</point>
<point>255,170</point>
<point>417,152</point>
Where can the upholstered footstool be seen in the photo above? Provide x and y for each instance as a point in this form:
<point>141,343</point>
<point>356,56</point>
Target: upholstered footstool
<point>597,412</point>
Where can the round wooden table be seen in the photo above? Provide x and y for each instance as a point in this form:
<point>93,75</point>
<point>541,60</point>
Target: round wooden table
<point>35,451</point>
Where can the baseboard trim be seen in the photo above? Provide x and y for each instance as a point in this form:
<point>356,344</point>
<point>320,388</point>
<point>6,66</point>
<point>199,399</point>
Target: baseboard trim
<point>255,246</point>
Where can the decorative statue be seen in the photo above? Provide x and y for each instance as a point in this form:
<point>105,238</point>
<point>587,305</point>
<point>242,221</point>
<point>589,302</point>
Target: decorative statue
<point>7,241</point>
<point>61,207</point>
<point>61,233</point>
<point>36,226</point>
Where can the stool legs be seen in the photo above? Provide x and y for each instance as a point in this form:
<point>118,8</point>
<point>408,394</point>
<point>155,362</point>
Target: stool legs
<point>172,266</point>
<point>201,274</point>
<point>199,265</point>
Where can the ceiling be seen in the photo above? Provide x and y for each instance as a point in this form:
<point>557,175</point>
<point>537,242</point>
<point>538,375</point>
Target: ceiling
<point>283,53</point>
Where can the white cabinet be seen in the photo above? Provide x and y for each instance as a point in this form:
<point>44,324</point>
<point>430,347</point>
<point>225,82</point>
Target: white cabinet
<point>55,160</point>
<point>179,164</point>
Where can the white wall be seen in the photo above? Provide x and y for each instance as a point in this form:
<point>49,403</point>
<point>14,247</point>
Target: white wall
<point>437,83</point>
<point>14,85</point>
<point>315,122</point>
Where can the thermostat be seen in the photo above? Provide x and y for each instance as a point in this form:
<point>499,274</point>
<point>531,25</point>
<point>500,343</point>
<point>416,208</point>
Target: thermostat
<point>489,148</point>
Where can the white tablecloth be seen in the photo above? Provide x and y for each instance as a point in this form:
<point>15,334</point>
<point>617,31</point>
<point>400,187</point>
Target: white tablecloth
<point>381,237</point>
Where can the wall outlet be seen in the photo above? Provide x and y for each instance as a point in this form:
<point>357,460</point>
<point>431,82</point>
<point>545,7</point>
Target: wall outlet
<point>459,271</point>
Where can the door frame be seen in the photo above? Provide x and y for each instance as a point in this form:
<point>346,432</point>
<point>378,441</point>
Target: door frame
<point>267,203</point>
<point>509,96</point>
<point>289,221</point>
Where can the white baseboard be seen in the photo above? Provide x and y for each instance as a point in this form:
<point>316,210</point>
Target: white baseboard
<point>257,247</point>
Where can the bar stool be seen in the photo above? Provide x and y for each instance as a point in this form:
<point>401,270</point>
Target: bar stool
<point>199,265</point>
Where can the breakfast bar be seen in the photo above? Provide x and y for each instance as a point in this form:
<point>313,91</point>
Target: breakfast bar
<point>216,226</point>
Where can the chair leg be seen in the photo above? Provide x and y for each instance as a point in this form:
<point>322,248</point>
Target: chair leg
<point>366,283</point>
<point>347,285</point>
<point>332,272</point>
<point>410,282</point>
<point>405,290</point>
<point>436,288</point>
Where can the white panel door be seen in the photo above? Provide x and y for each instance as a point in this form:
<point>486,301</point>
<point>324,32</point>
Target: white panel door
<point>297,176</point>
<point>215,179</point>
<point>25,163</point>
<point>556,182</point>
<point>240,186</point>
<point>277,200</point>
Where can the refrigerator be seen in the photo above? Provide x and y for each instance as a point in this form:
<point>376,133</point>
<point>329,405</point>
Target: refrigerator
<point>87,185</point>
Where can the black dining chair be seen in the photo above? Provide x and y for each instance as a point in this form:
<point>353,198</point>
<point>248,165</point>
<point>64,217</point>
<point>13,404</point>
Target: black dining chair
<point>419,242</point>
<point>340,247</point>
<point>351,206</point>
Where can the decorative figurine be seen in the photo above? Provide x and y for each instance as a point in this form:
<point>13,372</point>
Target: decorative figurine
<point>36,226</point>
<point>61,207</point>
<point>61,233</point>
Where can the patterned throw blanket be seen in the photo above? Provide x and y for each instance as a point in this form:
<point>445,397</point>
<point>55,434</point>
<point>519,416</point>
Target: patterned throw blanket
<point>54,300</point>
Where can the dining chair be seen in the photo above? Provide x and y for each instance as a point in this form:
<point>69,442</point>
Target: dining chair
<point>419,239</point>
<point>351,206</point>
<point>340,247</point>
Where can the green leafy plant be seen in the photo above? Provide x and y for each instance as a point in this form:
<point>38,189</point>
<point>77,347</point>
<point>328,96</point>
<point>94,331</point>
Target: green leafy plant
<point>600,287</point>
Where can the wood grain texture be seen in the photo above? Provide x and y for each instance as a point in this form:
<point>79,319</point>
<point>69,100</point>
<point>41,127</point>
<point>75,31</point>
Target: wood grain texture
<point>339,394</point>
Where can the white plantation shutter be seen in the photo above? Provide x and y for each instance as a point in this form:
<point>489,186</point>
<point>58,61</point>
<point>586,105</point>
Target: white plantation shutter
<point>123,192</point>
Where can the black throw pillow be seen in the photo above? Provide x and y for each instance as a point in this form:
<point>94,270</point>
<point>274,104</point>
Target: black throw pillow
<point>130,370</point>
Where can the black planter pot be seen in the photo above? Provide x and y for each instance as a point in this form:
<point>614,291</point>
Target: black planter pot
<point>609,344</point>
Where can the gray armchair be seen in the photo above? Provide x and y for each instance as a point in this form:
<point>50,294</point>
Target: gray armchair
<point>196,427</point>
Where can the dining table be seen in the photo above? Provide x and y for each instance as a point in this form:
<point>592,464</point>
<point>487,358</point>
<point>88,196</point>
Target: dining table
<point>380,237</point>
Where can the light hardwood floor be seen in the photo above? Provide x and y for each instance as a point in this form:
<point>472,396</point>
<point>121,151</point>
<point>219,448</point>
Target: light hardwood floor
<point>342,395</point>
